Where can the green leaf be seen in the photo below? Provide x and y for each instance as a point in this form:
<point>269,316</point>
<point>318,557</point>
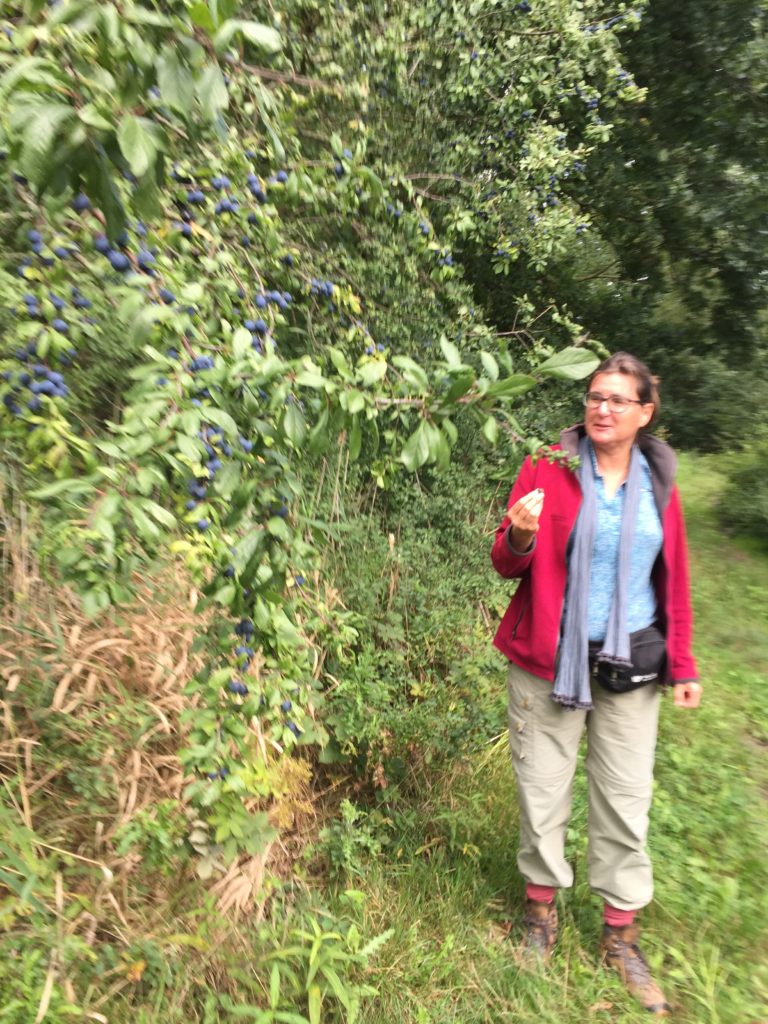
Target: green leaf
<point>451,353</point>
<point>294,424</point>
<point>111,449</point>
<point>355,439</point>
<point>439,449</point>
<point>278,527</point>
<point>510,387</point>
<point>67,557</point>
<point>491,430</point>
<point>412,372</point>
<point>175,82</point>
<point>247,547</point>
<point>416,449</point>
<point>146,528</point>
<point>274,986</point>
<point>44,345</point>
<point>84,11</point>
<point>35,70</point>
<point>372,372</point>
<point>355,401</point>
<point>224,420</point>
<point>570,364</point>
<point>372,180</point>
<point>227,479</point>
<point>147,200</point>
<point>91,116</point>
<point>311,378</point>
<point>192,291</point>
<point>191,447</point>
<point>162,515</point>
<point>225,595</point>
<point>146,319</point>
<point>211,91</point>
<point>459,387</point>
<point>261,36</point>
<point>241,342</point>
<point>373,434</point>
<point>490,365</point>
<point>284,628</point>
<point>200,15</point>
<point>137,143</point>
<point>45,122</point>
<point>110,24</point>
<point>378,940</point>
<point>336,984</point>
<point>140,16</point>
<point>68,486</point>
<point>278,150</point>
<point>319,435</point>
<point>103,190</point>
<point>95,601</point>
<point>338,359</point>
<point>314,1003</point>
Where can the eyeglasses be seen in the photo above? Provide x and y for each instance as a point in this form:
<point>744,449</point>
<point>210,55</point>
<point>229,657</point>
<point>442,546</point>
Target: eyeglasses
<point>616,403</point>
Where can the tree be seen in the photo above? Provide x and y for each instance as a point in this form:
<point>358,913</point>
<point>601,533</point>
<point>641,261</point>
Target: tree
<point>206,291</point>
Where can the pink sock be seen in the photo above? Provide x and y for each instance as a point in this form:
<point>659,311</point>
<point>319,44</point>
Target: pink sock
<point>617,918</point>
<point>540,893</point>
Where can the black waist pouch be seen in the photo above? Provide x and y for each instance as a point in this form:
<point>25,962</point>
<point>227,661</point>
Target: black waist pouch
<point>648,651</point>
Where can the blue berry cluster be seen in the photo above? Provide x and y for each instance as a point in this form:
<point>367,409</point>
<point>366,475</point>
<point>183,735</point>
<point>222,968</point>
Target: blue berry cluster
<point>227,205</point>
<point>202,363</point>
<point>256,189</point>
<point>216,448</point>
<point>40,381</point>
<point>324,288</point>
<point>280,299</point>
<point>258,329</point>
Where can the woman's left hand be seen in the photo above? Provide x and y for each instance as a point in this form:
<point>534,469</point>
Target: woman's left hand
<point>688,695</point>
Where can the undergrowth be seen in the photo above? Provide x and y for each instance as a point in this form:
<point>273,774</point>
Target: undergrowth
<point>391,892</point>
<point>447,878</point>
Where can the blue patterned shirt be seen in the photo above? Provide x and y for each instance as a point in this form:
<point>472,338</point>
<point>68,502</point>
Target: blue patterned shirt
<point>641,599</point>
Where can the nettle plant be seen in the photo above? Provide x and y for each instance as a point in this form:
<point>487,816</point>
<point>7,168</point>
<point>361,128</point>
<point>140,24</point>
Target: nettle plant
<point>174,247</point>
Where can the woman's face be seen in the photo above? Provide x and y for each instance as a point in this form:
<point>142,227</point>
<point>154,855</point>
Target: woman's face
<point>615,430</point>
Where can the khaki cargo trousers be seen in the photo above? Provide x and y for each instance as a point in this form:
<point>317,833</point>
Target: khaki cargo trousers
<point>544,741</point>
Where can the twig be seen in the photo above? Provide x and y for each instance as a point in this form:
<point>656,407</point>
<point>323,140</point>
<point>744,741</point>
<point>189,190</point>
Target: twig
<point>289,77</point>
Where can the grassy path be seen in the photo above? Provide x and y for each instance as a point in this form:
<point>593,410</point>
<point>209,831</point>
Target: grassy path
<point>450,886</point>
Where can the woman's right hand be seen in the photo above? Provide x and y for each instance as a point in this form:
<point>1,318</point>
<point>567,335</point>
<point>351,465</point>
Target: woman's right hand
<point>524,519</point>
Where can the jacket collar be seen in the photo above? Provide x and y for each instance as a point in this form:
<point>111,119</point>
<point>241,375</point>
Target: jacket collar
<point>662,460</point>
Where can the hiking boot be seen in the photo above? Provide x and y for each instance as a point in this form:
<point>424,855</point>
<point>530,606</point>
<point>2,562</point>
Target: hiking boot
<point>540,921</point>
<point>619,950</point>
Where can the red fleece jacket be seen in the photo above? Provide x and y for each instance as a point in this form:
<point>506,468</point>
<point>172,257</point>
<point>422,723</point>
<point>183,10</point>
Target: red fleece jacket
<point>529,633</point>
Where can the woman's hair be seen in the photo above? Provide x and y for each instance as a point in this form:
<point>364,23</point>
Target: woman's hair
<point>647,384</point>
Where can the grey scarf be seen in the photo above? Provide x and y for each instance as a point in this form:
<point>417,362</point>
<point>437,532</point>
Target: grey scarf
<point>571,687</point>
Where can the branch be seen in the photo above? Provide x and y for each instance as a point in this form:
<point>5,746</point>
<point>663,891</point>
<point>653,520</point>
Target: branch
<point>600,272</point>
<point>289,77</point>
<point>437,177</point>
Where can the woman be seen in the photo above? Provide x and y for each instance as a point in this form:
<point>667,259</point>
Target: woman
<point>600,553</point>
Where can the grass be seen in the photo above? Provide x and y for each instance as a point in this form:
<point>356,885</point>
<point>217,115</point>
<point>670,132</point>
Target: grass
<point>449,884</point>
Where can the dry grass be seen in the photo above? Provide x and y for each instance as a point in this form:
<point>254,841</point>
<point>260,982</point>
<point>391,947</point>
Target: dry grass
<point>54,663</point>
